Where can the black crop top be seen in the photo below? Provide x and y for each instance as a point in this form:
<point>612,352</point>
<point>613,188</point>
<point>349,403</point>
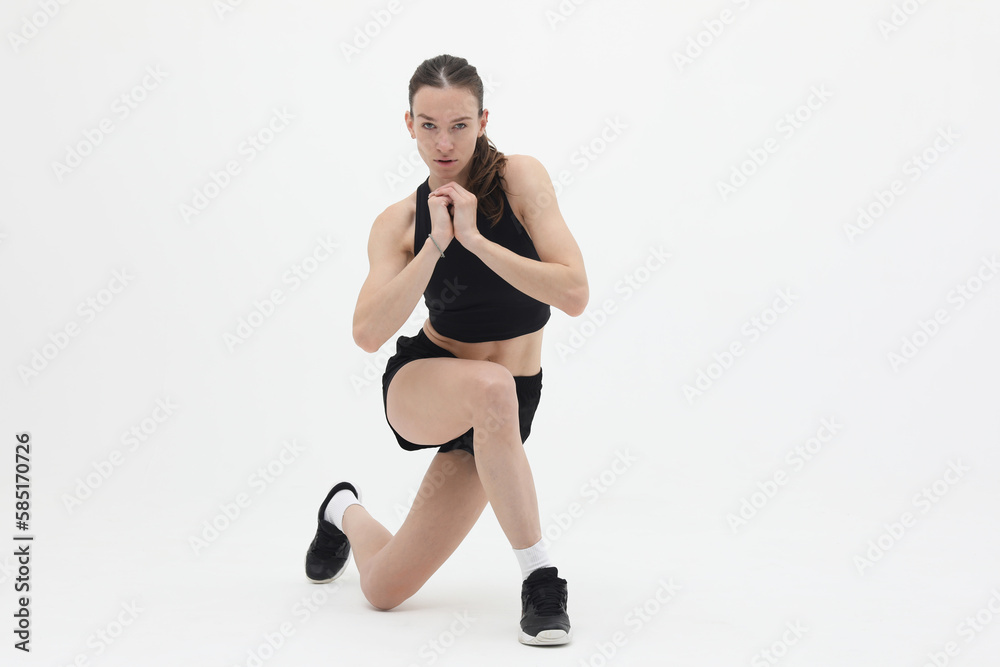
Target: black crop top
<point>466,299</point>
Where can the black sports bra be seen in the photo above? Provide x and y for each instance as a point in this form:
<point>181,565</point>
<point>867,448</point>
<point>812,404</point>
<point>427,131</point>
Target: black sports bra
<point>466,299</point>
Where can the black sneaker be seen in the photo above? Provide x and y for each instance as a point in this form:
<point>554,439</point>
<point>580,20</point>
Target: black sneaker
<point>329,551</point>
<point>544,621</point>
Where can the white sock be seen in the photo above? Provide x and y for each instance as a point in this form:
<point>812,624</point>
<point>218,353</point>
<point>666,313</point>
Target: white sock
<point>338,504</point>
<point>532,558</point>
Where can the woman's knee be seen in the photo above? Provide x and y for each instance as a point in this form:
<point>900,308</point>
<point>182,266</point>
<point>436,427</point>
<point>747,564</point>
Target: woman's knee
<point>379,595</point>
<point>494,390</point>
<point>383,603</point>
<point>495,408</point>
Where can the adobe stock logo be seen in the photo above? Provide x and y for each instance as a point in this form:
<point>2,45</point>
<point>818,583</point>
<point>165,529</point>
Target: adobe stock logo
<point>249,149</point>
<point>433,649</point>
<point>788,125</point>
<point>779,648</point>
<point>752,329</point>
<point>563,11</point>
<point>49,9</point>
<point>104,468</point>
<point>592,490</point>
<point>231,510</point>
<point>914,169</point>
<point>88,309</point>
<point>900,16</point>
<point>102,639</point>
<point>223,7</point>
<point>924,500</point>
<point>969,628</point>
<point>121,108</point>
<point>629,284</point>
<point>713,29</point>
<point>296,276</point>
<point>381,18</point>
<point>796,459</point>
<point>928,329</point>
<point>638,618</point>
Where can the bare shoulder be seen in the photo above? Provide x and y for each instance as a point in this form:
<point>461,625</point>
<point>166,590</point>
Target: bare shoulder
<point>529,189</point>
<point>394,225</point>
<point>524,174</point>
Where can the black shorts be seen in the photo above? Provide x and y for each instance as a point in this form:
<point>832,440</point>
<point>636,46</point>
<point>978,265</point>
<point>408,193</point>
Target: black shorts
<point>409,348</point>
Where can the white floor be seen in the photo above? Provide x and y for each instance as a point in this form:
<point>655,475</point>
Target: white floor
<point>656,574</point>
<point>827,496</point>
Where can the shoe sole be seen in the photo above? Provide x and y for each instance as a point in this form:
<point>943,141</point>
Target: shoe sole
<point>336,576</point>
<point>546,638</point>
<point>350,555</point>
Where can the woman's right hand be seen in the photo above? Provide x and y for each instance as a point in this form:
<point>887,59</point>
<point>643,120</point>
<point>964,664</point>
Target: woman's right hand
<point>442,227</point>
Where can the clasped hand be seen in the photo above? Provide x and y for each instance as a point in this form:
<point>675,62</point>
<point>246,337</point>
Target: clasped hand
<point>462,206</point>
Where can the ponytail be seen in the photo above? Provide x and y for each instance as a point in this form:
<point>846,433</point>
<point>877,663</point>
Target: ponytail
<point>485,174</point>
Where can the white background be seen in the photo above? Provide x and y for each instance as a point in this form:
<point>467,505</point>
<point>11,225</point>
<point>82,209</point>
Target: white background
<point>614,377</point>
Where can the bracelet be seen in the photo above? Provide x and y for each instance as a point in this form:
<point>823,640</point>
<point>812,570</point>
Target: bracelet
<point>436,244</point>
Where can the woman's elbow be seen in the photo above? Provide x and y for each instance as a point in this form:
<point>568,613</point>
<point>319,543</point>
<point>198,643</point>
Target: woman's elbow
<point>577,301</point>
<point>363,338</point>
<point>361,341</point>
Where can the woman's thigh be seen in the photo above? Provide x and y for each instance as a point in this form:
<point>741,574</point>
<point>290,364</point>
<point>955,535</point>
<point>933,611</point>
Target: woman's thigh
<point>449,502</point>
<point>432,401</point>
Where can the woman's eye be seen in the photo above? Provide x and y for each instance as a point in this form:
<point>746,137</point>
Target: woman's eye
<point>430,126</point>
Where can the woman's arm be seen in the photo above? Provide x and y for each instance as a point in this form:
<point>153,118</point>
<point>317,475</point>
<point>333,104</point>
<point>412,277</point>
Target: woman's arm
<point>393,286</point>
<point>560,278</point>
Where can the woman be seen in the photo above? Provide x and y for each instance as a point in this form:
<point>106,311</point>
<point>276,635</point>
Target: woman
<point>469,382</point>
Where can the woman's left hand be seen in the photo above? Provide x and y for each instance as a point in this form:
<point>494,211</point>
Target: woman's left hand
<point>464,206</point>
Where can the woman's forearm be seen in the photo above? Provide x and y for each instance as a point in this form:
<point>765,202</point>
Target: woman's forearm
<point>384,312</point>
<point>555,284</point>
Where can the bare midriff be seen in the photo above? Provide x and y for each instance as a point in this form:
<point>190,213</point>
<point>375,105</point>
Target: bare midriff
<point>521,355</point>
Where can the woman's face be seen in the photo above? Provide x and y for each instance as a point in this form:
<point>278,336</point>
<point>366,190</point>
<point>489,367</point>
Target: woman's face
<point>446,125</point>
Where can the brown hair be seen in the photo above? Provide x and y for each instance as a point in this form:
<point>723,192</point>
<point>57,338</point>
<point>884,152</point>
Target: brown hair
<point>488,164</point>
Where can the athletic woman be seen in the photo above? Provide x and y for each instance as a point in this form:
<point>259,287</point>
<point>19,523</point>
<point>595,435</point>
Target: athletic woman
<point>483,240</point>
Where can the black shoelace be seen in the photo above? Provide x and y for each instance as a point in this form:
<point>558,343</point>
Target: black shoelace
<point>547,597</point>
<point>326,546</point>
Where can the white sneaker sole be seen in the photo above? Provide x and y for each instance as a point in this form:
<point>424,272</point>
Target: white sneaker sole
<point>546,638</point>
<point>350,556</point>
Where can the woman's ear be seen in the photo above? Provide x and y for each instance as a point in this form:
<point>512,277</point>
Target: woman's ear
<point>482,122</point>
<point>409,124</point>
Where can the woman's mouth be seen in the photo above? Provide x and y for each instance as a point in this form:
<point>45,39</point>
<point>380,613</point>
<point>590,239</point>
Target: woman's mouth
<point>446,163</point>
